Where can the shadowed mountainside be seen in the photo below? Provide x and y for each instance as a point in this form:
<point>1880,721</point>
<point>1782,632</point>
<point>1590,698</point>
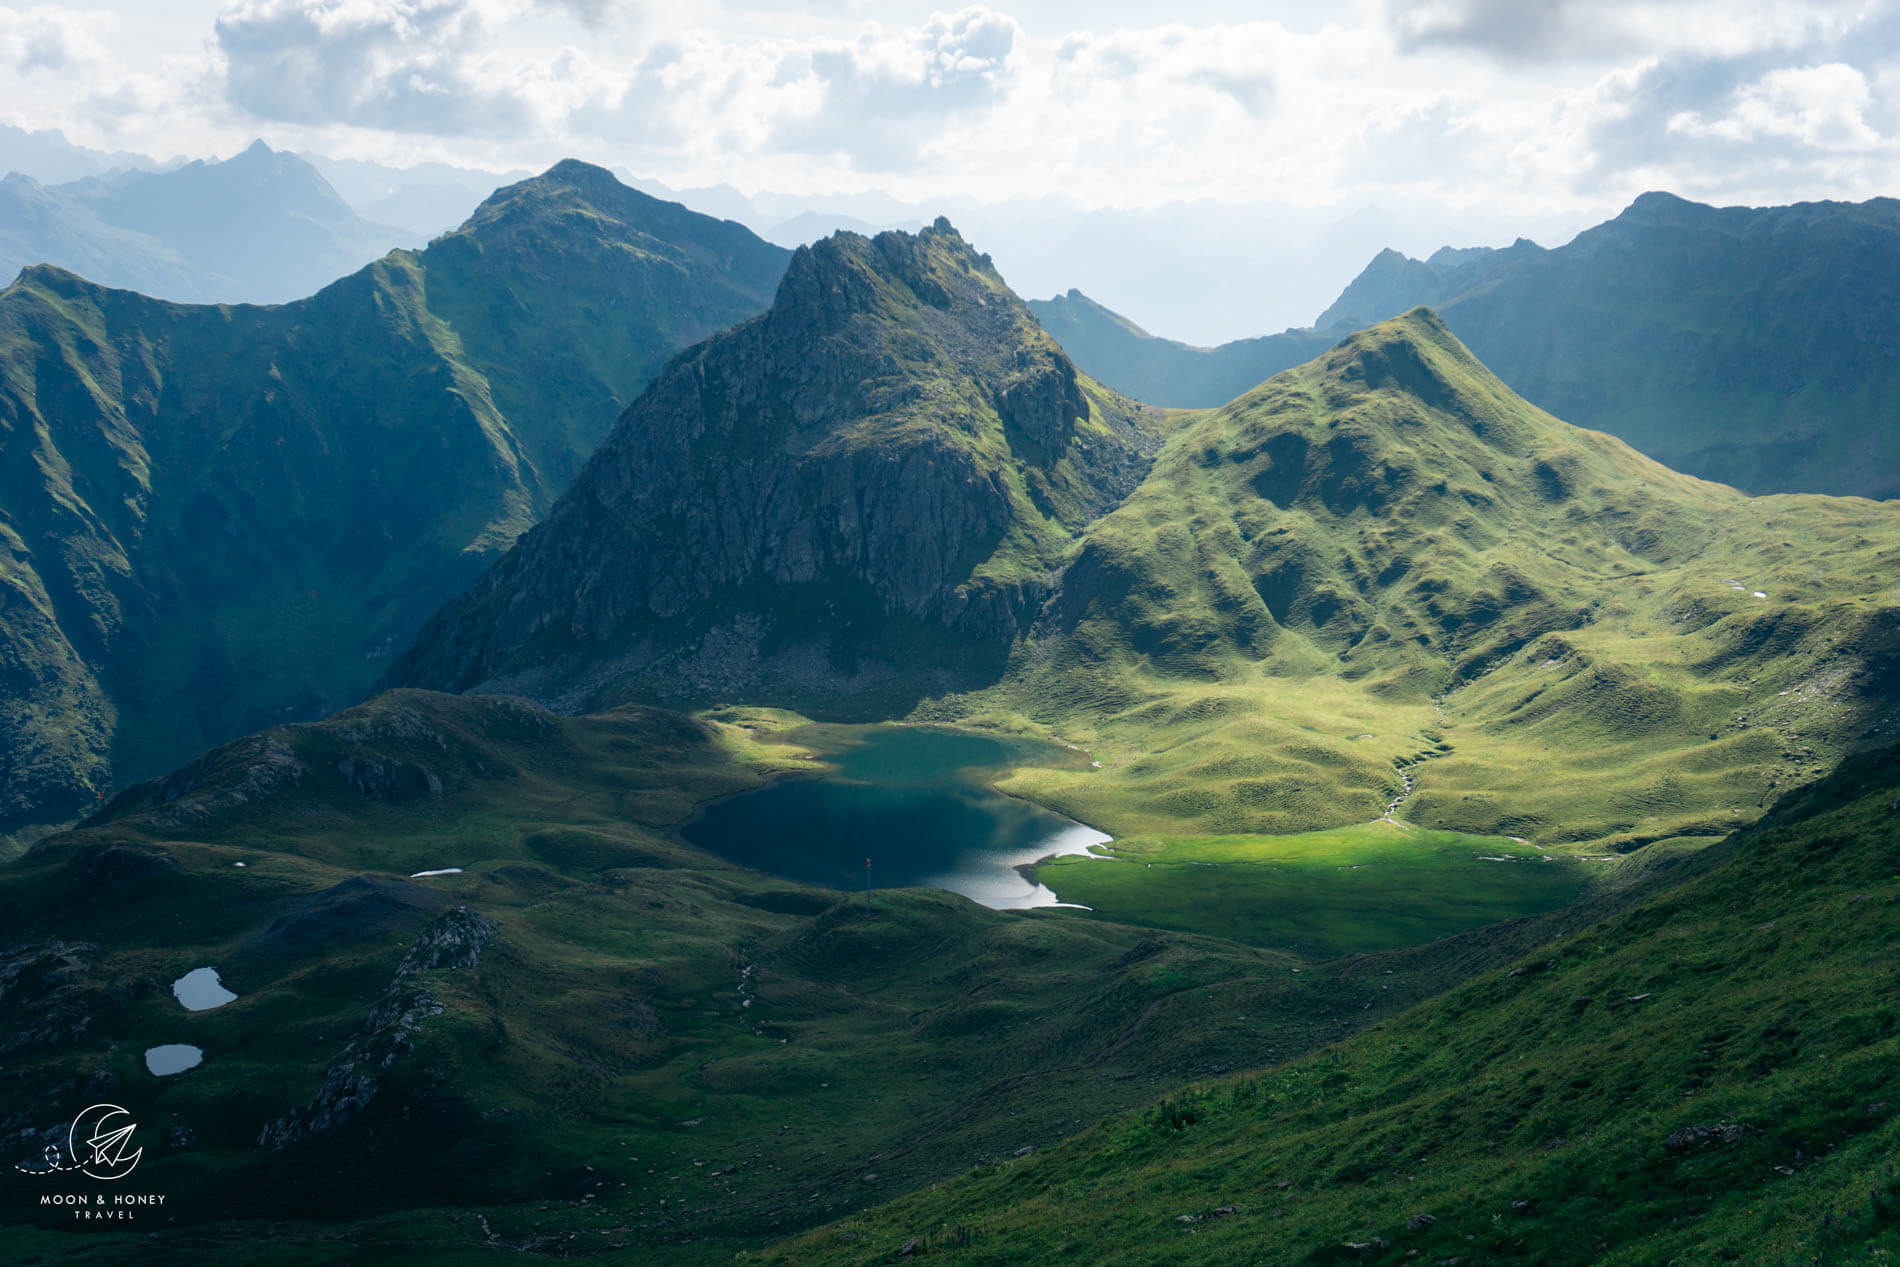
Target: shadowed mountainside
<point>1750,345</point>
<point>216,517</point>
<point>856,498</point>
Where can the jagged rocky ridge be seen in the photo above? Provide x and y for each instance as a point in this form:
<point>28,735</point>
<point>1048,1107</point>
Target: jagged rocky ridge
<point>860,495</point>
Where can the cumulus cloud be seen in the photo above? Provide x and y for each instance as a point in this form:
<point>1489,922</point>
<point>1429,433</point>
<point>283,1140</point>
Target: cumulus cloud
<point>1167,95</point>
<point>1524,108</point>
<point>592,14</point>
<point>400,65</point>
<point>1509,28</point>
<point>877,100</point>
<point>1820,107</point>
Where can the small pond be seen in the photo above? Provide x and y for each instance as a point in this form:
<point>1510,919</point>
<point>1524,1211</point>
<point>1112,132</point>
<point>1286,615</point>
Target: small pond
<point>200,990</point>
<point>172,1058</point>
<point>916,801</point>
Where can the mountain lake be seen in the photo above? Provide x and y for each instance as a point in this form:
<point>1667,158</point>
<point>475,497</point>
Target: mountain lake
<point>916,801</point>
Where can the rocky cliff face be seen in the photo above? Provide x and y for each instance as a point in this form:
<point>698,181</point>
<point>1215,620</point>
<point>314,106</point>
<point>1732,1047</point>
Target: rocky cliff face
<point>862,492</point>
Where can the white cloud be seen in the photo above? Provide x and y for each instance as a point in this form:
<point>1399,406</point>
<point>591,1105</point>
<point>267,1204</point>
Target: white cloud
<point>1821,107</point>
<point>402,65</point>
<point>1592,30</point>
<point>1534,109</point>
<point>876,101</point>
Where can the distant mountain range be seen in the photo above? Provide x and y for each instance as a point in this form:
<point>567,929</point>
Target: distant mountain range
<point>260,227</point>
<point>1753,346</point>
<point>1756,346</point>
<point>48,157</point>
<point>221,516</point>
<point>424,200</point>
<point>1162,371</point>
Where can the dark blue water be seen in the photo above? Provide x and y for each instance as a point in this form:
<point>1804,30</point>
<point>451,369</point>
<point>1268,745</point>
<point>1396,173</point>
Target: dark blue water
<point>914,801</point>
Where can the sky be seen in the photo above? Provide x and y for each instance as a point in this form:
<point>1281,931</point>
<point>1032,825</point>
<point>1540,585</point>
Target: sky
<point>1546,115</point>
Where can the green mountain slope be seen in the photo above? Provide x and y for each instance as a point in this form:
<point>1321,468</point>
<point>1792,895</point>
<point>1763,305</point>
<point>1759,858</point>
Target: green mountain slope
<point>221,516</point>
<point>1115,350</point>
<point>592,1035</point>
<point>856,498</point>
<point>1703,1077</point>
<point>1746,345</point>
<point>1386,556</point>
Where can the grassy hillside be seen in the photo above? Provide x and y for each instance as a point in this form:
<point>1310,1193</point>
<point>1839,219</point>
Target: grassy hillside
<point>1703,1077</point>
<point>1383,575</point>
<point>220,517</point>
<point>592,1036</point>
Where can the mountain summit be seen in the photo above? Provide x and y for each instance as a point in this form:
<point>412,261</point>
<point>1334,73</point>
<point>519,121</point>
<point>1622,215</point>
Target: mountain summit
<point>857,496</point>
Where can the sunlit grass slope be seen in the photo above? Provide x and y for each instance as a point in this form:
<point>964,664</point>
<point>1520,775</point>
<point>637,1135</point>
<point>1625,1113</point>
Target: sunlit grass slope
<point>1375,886</point>
<point>1706,1076</point>
<point>1387,557</point>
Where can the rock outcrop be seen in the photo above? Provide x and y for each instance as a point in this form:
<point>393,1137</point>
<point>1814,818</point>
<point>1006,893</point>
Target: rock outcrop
<point>887,466</point>
<point>455,940</point>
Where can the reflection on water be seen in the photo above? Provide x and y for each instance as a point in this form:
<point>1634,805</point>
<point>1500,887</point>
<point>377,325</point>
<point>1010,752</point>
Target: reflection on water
<point>917,804</point>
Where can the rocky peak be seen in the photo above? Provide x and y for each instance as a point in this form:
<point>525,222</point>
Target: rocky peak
<point>857,293</point>
<point>896,448</point>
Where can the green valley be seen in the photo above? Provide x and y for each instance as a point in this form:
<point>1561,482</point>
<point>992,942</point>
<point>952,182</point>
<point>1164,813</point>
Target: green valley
<point>1502,835</point>
<point>1323,894</point>
<point>588,1036</point>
